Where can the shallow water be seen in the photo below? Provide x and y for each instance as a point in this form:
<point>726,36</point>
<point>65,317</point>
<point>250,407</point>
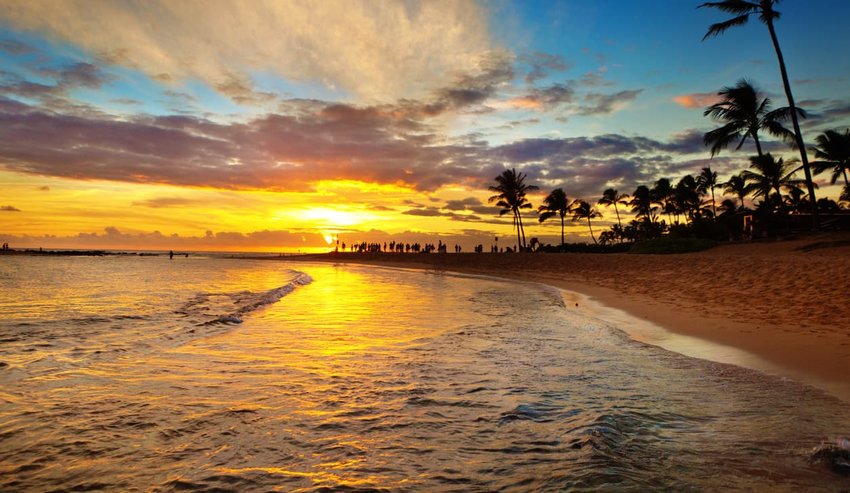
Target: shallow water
<point>135,374</point>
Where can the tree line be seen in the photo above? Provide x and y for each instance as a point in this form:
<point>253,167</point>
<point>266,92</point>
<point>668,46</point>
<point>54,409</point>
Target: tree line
<point>690,205</point>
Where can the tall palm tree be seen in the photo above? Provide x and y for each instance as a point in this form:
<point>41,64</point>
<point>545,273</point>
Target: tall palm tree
<point>745,112</point>
<point>737,186</point>
<point>742,9</point>
<point>555,204</point>
<point>641,203</point>
<point>707,181</point>
<point>612,197</point>
<point>511,190</point>
<point>770,175</point>
<point>833,152</point>
<point>583,210</point>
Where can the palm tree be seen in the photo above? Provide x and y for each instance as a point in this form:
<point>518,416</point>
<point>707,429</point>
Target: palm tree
<point>687,198</point>
<point>663,194</point>
<point>833,151</point>
<point>612,197</point>
<point>583,210</point>
<point>641,203</point>
<point>744,112</point>
<point>511,189</point>
<point>555,204</point>
<point>770,175</point>
<point>742,9</point>
<point>707,181</point>
<point>737,186</point>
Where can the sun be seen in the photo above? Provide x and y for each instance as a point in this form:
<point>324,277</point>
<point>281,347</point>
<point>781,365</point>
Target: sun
<point>329,239</point>
<point>332,218</point>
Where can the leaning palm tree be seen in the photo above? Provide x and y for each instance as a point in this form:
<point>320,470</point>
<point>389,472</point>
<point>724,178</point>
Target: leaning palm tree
<point>512,189</point>
<point>742,9</point>
<point>737,186</point>
<point>833,152</point>
<point>612,197</point>
<point>555,204</point>
<point>583,210</point>
<point>707,182</point>
<point>770,175</point>
<point>744,113</point>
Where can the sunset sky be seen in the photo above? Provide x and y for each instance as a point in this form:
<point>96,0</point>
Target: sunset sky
<point>275,125</point>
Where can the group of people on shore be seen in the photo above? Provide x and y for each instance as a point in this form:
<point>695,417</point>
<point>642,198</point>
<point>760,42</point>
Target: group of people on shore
<point>399,247</point>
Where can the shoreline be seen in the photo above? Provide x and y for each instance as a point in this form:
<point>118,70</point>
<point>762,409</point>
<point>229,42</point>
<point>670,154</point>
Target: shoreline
<point>777,307</point>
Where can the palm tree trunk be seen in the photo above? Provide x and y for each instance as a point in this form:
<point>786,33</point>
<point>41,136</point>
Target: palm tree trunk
<point>618,215</point>
<point>713,204</point>
<point>516,225</point>
<point>562,230</point>
<point>522,230</point>
<point>758,144</point>
<point>591,231</point>
<point>844,170</point>
<point>797,133</point>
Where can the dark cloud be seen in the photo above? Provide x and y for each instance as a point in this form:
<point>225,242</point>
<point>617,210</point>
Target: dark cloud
<point>9,208</point>
<point>126,101</point>
<point>540,65</point>
<point>604,104</point>
<point>473,88</point>
<point>594,79</point>
<point>165,202</point>
<point>312,141</point>
<point>14,47</point>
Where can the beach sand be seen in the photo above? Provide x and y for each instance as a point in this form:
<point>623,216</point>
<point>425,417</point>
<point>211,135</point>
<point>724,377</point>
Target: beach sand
<point>782,302</point>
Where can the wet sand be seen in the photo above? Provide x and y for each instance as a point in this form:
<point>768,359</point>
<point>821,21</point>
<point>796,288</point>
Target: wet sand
<point>784,302</point>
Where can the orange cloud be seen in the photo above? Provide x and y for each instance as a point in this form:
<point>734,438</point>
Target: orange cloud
<point>696,100</point>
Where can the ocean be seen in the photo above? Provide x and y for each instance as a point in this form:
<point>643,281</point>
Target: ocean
<point>127,373</point>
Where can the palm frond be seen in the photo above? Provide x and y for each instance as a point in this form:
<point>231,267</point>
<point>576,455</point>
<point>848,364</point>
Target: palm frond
<point>721,27</point>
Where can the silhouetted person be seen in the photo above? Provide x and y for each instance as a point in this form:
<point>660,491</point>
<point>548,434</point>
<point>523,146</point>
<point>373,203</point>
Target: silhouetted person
<point>171,254</point>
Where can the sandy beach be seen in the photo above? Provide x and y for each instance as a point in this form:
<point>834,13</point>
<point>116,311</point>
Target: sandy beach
<point>782,301</point>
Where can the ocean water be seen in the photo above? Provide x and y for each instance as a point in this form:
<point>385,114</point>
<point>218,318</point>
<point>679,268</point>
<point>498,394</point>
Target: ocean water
<point>214,374</point>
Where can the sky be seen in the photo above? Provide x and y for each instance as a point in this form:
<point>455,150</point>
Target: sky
<point>280,126</point>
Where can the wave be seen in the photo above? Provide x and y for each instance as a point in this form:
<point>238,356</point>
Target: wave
<point>230,308</point>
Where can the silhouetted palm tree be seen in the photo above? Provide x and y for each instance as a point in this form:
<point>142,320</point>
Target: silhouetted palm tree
<point>641,203</point>
<point>742,9</point>
<point>727,207</point>
<point>663,194</point>
<point>555,204</point>
<point>613,197</point>
<point>583,210</point>
<point>512,189</point>
<point>770,175</point>
<point>737,186</point>
<point>707,181</point>
<point>688,198</point>
<point>833,152</point>
<point>745,112</point>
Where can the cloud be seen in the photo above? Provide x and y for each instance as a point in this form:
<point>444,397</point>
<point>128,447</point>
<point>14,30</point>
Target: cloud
<point>165,202</point>
<point>594,79</point>
<point>379,50</point>
<point>540,65</point>
<point>315,141</point>
<point>14,47</point>
<point>545,98</point>
<point>697,100</point>
<point>605,104</point>
<point>9,208</point>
